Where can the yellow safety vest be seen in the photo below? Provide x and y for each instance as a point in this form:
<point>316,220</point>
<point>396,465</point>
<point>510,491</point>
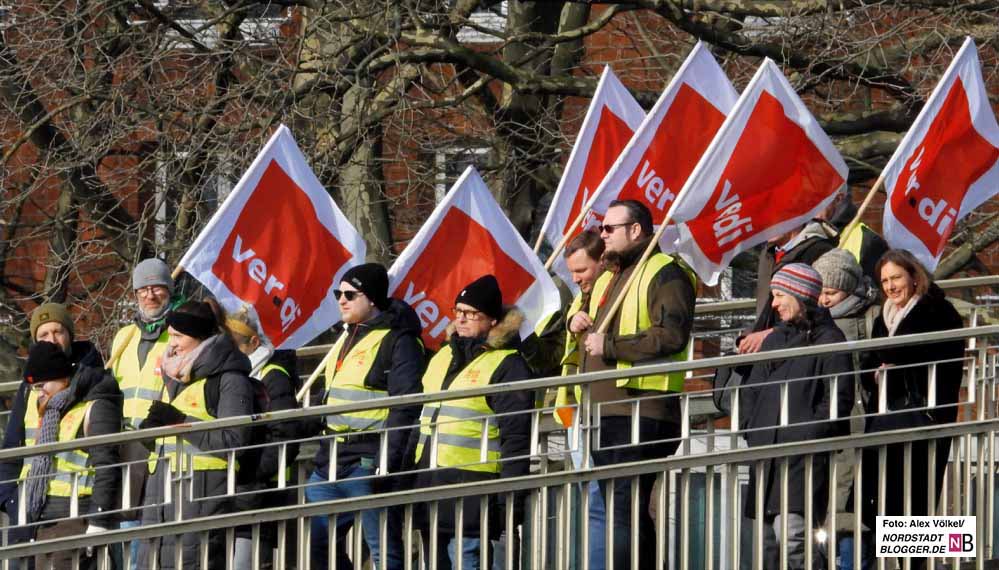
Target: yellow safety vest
<point>462,423</point>
<point>854,241</point>
<point>570,361</point>
<point>634,317</point>
<point>346,385</point>
<point>192,402</point>
<point>67,464</point>
<point>140,386</point>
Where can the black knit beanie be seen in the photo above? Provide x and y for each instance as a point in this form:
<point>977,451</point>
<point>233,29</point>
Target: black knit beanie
<point>484,294</point>
<point>370,279</point>
<point>47,361</point>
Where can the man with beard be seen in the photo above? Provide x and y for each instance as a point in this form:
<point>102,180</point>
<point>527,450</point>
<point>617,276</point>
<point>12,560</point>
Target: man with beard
<point>138,347</point>
<point>653,325</point>
<point>135,363</point>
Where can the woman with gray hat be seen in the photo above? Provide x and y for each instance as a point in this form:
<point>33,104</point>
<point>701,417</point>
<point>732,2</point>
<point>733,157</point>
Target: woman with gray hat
<point>849,295</point>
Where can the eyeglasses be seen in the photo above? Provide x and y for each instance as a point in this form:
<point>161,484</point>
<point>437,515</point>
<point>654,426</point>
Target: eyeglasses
<point>151,291</point>
<point>350,295</point>
<point>469,315</point>
<point>609,228</point>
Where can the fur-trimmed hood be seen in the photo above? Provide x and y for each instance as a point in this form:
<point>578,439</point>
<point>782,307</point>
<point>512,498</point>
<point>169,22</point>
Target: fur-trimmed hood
<point>506,332</point>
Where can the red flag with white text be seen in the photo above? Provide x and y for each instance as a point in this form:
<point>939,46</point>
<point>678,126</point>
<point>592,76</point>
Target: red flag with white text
<point>769,170</point>
<point>610,121</point>
<point>278,244</point>
<point>468,236</point>
<point>664,150</point>
<point>947,164</point>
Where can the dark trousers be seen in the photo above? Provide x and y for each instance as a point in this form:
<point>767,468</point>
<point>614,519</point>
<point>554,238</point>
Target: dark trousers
<point>617,431</point>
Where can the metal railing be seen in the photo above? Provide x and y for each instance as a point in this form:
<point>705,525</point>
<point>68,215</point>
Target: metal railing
<point>981,367</point>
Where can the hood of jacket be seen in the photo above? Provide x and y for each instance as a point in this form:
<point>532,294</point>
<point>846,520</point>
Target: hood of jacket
<point>222,356</point>
<point>504,334</point>
<point>84,353</point>
<point>398,316</point>
<point>92,383</point>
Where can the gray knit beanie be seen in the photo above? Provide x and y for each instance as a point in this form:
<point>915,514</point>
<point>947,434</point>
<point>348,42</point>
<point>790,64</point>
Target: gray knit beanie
<point>151,271</point>
<point>839,270</point>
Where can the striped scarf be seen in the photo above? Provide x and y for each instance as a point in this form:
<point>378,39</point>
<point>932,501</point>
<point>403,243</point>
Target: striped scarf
<point>41,470</point>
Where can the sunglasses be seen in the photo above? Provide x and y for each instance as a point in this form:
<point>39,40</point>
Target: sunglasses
<point>609,228</point>
<point>350,295</point>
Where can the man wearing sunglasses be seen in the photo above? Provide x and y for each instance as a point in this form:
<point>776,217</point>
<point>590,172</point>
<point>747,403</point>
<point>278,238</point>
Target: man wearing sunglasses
<point>482,349</point>
<point>653,325</point>
<point>378,354</point>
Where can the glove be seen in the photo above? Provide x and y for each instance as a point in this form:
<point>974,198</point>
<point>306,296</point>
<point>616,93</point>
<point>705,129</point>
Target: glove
<point>93,529</point>
<point>161,414</point>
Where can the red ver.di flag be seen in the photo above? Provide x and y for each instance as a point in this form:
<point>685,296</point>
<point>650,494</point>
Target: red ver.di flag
<point>278,243</point>
<point>466,237</point>
<point>769,170</point>
<point>946,166</point>
<point>610,121</point>
<point>672,138</point>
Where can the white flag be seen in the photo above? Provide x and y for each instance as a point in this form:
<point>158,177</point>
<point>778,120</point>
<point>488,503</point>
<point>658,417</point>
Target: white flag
<point>468,236</point>
<point>280,244</point>
<point>947,164</point>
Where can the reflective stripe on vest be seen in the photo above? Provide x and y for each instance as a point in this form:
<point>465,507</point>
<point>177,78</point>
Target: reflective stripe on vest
<point>634,317</point>
<point>346,384</point>
<point>141,386</point>
<point>570,363</point>
<point>68,464</point>
<point>854,241</point>
<point>191,401</point>
<point>271,367</point>
<point>462,423</point>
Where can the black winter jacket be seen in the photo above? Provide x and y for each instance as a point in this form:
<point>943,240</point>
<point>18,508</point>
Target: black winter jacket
<point>514,428</point>
<point>809,403</point>
<point>907,387</point>
<point>398,369</point>
<point>84,355</point>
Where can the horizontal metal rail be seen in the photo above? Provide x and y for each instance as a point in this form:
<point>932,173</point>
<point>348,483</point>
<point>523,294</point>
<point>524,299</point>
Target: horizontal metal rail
<point>504,486</point>
<point>746,304</point>
<point>493,389</point>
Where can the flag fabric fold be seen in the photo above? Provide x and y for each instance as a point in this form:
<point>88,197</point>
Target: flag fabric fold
<point>768,171</point>
<point>279,244</point>
<point>946,165</point>
<point>610,121</point>
<point>468,236</point>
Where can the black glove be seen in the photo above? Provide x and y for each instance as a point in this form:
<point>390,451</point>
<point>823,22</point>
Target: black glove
<point>161,414</point>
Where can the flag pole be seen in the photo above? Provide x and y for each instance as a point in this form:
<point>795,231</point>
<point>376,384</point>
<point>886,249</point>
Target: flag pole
<point>575,224</point>
<point>863,207</point>
<point>619,300</point>
<point>541,240</point>
<point>315,374</point>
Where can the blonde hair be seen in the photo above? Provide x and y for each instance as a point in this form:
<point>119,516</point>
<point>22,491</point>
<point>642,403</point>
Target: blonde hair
<point>243,324</point>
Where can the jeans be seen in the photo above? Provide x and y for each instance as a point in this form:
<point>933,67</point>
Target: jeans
<point>133,547</point>
<point>471,548</point>
<point>346,488</point>
<point>616,430</point>
<point>598,514</point>
<point>598,524</point>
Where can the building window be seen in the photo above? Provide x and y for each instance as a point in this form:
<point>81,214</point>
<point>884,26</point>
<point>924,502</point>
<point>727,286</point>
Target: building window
<point>450,163</point>
<point>170,184</point>
<point>261,26</point>
<point>490,18</point>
